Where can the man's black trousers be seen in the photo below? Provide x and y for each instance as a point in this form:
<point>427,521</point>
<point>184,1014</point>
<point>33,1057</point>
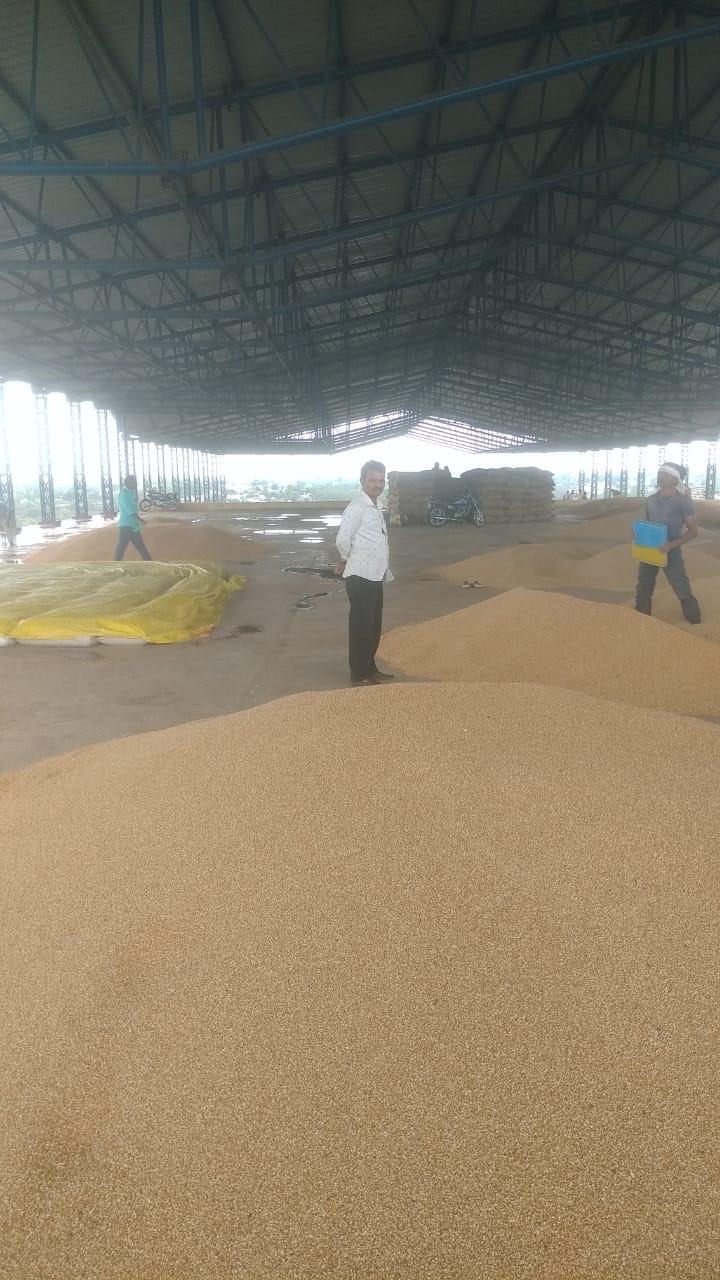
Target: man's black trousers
<point>126,535</point>
<point>366,609</point>
<point>678,579</point>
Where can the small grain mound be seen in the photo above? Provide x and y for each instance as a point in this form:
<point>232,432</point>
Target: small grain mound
<point>616,570</point>
<point>244,1035</point>
<point>708,514</point>
<point>544,638</point>
<point>166,539</point>
<point>526,565</point>
<point>610,529</point>
<point>565,563</point>
<point>665,607</point>
<point>597,508</point>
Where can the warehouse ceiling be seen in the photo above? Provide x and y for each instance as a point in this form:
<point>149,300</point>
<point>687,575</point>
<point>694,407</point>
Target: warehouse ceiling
<point>310,224</point>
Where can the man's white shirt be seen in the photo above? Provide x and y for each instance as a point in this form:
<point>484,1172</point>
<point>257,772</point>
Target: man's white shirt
<point>363,542</point>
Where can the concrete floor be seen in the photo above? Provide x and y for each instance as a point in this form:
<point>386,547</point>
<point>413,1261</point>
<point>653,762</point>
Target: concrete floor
<point>54,700</point>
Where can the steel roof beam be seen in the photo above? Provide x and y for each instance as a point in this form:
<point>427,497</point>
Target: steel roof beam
<point>239,94</point>
<point>262,184</point>
<point>350,124</point>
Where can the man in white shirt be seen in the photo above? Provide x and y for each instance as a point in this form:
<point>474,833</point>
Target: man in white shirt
<point>363,545</point>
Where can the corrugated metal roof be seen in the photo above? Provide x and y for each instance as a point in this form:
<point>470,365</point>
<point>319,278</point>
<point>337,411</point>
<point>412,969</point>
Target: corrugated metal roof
<point>536,260</point>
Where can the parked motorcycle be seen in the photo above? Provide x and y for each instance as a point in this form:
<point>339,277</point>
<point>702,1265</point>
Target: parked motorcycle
<point>159,498</point>
<point>460,509</point>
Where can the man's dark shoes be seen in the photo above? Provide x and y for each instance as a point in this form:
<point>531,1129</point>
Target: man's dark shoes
<point>379,677</point>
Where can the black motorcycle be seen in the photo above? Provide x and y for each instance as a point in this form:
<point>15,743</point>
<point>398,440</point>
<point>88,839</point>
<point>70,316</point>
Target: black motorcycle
<point>458,510</point>
<point>158,498</point>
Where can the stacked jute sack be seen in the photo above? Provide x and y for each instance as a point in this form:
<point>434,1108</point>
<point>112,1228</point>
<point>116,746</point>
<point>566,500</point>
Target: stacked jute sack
<point>409,493</point>
<point>512,495</point>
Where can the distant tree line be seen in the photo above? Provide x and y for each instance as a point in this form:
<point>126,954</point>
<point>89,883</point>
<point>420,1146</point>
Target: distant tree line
<point>298,491</point>
<point>27,503</point>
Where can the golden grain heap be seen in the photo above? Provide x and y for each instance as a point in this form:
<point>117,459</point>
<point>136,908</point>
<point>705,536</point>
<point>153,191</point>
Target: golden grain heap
<point>263,1015</point>
<point>547,638</point>
<point>171,540</point>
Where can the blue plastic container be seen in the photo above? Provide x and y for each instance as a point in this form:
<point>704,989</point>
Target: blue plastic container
<point>650,535</point>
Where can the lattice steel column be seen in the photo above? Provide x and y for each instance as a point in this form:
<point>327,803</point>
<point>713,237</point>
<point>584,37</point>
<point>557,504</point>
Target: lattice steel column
<point>711,474</point>
<point>174,483</point>
<point>162,476</point>
<point>187,486</point>
<point>685,460</point>
<point>7,493</point>
<point>122,452</point>
<point>223,488</point>
<point>205,478</point>
<point>196,476</point>
<point>608,476</point>
<point>594,477</point>
<point>623,474</point>
<point>581,482</point>
<point>78,453</point>
<point>214,477</point>
<point>48,517</point>
<point>106,485</point>
<point>641,474</point>
<point>146,473</point>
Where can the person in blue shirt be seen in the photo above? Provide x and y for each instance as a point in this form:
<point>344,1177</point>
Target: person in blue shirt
<point>129,522</point>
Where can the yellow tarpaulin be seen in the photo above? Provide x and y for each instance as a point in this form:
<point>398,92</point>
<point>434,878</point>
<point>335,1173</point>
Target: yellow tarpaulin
<point>159,603</point>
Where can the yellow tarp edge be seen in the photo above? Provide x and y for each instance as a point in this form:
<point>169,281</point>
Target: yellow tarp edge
<point>157,602</point>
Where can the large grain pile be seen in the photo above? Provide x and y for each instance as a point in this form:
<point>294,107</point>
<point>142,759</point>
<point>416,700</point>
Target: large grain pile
<point>543,638</point>
<point>512,495</point>
<point>165,539</point>
<point>243,1036</point>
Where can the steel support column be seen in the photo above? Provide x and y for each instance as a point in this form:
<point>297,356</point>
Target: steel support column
<point>48,517</point>
<point>623,474</point>
<point>594,477</point>
<point>82,512</point>
<point>146,474</point>
<point>641,474</point>
<point>7,493</point>
<point>607,486</point>
<point>205,478</point>
<point>581,482</point>
<point>187,485</point>
<point>223,487</point>
<point>197,491</point>
<point>122,456</point>
<point>711,474</point>
<point>106,484</point>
